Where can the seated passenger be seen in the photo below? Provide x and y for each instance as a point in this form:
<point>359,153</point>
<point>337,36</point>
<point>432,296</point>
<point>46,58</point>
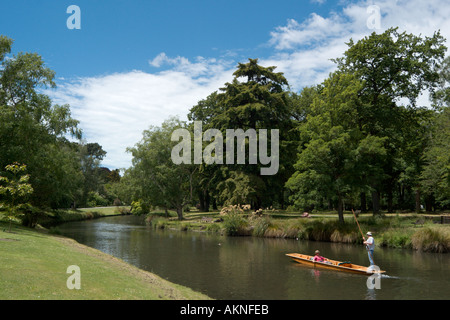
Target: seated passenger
<point>318,257</point>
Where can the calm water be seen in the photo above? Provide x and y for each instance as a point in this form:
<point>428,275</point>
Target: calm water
<point>257,268</point>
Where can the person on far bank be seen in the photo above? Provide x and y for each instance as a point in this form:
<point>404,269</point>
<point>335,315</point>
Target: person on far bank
<point>370,245</point>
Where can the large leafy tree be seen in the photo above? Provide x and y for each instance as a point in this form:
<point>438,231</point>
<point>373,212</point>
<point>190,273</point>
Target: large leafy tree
<point>159,180</point>
<point>393,66</point>
<point>256,98</point>
<point>32,130</point>
<point>335,151</point>
<point>435,177</point>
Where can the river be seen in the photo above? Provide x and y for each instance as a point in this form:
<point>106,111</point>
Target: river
<point>250,268</point>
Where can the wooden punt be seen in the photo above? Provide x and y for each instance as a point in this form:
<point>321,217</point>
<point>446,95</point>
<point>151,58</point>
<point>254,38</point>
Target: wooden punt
<point>332,264</point>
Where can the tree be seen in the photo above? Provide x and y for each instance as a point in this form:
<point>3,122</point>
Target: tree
<point>160,181</point>
<point>91,155</point>
<point>256,98</point>
<point>332,157</point>
<point>15,190</point>
<point>435,177</point>
<point>392,66</point>
<point>33,131</point>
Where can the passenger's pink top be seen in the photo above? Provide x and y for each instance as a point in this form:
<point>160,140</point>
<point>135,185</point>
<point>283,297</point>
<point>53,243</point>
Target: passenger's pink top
<point>319,259</point>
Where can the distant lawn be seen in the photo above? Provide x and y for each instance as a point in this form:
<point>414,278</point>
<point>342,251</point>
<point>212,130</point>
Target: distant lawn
<point>105,211</point>
<point>34,264</point>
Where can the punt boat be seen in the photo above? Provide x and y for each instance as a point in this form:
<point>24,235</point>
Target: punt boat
<point>345,266</point>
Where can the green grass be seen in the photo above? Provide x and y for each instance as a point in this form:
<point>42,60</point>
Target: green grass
<point>34,264</point>
<point>54,217</point>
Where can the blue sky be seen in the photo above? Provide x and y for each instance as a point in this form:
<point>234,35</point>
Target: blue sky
<point>119,36</point>
<point>135,63</point>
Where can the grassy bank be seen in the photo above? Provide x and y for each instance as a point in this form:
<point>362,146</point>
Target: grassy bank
<point>34,265</point>
<point>55,217</point>
<point>406,230</point>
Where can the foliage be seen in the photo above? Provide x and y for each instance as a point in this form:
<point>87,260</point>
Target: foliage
<point>256,98</point>
<point>394,66</point>
<point>435,176</point>
<point>235,224</point>
<point>157,180</point>
<point>15,191</point>
<point>360,132</point>
<point>431,240</point>
<point>139,208</point>
<point>94,199</point>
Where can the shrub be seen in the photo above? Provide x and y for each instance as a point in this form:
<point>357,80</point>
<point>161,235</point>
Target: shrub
<point>235,224</point>
<point>261,225</point>
<point>396,238</point>
<point>139,208</point>
<point>213,227</point>
<point>319,230</point>
<point>159,223</point>
<point>96,200</point>
<point>431,240</point>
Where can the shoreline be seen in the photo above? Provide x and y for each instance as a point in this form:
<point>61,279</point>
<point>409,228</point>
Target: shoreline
<point>35,263</point>
<point>30,257</point>
<point>410,231</point>
<point>419,232</point>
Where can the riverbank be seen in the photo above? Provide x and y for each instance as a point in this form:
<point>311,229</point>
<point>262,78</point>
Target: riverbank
<point>420,232</point>
<point>52,218</point>
<point>34,267</point>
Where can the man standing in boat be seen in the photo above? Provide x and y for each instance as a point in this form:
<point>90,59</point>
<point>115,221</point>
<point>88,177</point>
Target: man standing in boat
<point>370,245</point>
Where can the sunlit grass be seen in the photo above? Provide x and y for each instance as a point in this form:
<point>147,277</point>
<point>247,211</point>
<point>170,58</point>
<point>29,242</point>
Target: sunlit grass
<point>34,265</point>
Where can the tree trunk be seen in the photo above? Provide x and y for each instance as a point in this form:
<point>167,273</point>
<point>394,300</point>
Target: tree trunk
<point>180,212</point>
<point>429,202</point>
<point>282,198</point>
<point>201,200</point>
<point>375,202</point>
<point>207,200</point>
<point>390,207</point>
<point>418,200</point>
<point>340,210</point>
<point>401,196</point>
<point>362,197</point>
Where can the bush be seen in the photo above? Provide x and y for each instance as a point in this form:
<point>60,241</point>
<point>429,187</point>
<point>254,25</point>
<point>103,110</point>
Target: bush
<point>396,238</point>
<point>235,224</point>
<point>261,225</point>
<point>213,227</point>
<point>96,200</point>
<point>431,240</point>
<point>139,208</point>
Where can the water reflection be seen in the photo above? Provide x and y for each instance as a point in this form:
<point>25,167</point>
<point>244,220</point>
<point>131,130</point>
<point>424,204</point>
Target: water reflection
<point>256,268</point>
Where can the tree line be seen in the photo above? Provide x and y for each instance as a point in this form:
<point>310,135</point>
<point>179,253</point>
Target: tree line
<point>357,140</point>
<point>41,144</point>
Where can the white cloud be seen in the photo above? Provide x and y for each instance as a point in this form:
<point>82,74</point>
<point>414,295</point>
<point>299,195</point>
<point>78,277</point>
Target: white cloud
<point>115,109</point>
<point>304,49</point>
